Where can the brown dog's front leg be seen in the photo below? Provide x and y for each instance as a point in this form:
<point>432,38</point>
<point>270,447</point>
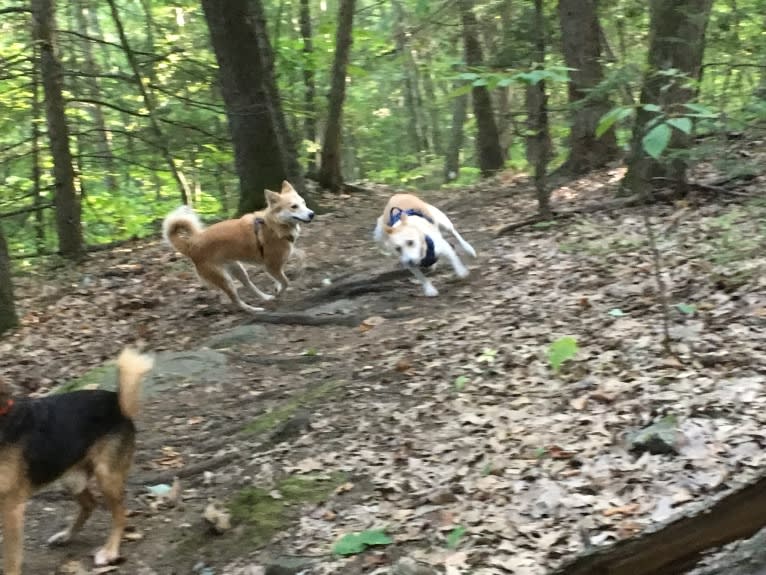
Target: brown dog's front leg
<point>13,536</point>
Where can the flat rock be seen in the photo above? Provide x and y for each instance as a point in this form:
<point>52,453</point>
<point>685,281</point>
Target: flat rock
<point>240,335</point>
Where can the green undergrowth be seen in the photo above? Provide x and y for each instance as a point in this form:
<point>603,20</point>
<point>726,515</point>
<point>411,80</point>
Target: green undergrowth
<point>272,419</point>
<point>95,378</point>
<point>260,514</point>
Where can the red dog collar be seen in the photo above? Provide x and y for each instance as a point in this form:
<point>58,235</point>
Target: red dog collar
<point>7,407</point>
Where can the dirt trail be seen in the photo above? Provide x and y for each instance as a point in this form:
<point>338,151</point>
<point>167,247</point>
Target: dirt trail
<point>444,415</point>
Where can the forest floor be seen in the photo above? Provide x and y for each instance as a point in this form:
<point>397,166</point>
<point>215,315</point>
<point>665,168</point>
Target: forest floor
<point>439,420</point>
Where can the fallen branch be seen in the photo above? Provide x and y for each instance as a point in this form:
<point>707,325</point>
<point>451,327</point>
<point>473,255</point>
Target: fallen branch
<point>283,360</point>
<point>616,204</point>
<point>186,472</point>
<point>679,545</point>
<point>353,288</point>
<point>309,319</point>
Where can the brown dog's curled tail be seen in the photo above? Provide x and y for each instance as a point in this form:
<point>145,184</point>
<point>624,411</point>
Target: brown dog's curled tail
<point>179,227</point>
<point>132,367</point>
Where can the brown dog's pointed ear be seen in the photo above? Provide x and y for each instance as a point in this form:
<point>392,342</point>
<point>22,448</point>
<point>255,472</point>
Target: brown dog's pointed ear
<point>271,197</point>
<point>286,187</point>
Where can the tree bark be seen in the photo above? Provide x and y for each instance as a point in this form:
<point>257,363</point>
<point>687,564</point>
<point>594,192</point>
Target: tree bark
<point>104,148</point>
<point>433,109</point>
<point>36,171</point>
<point>491,159</point>
<point>8,317</point>
<point>309,123</point>
<point>539,139</point>
<point>676,41</point>
<point>67,200</point>
<point>452,158</point>
<point>330,173</point>
<point>146,96</point>
<point>581,45</point>
<point>262,155</point>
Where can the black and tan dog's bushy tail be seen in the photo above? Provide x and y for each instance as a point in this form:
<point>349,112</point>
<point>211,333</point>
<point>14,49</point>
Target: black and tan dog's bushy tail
<point>180,226</point>
<point>132,366</point>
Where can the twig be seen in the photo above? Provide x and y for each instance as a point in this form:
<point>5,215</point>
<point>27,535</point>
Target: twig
<point>188,471</point>
<point>310,319</point>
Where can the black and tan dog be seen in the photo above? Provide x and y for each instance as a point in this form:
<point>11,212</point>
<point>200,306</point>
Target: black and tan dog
<point>73,437</point>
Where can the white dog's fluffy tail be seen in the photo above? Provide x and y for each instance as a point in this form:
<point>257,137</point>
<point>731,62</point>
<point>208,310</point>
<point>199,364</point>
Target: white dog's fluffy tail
<point>132,367</point>
<point>180,226</point>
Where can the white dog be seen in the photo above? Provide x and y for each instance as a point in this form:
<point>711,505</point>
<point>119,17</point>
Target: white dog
<point>412,228</point>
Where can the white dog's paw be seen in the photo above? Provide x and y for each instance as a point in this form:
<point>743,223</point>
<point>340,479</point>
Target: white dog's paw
<point>105,557</point>
<point>463,273</point>
<point>430,291</point>
<point>60,538</point>
<point>250,308</point>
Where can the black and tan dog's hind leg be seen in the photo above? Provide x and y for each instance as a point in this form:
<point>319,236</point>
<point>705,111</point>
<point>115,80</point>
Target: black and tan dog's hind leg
<point>78,486</point>
<point>13,533</point>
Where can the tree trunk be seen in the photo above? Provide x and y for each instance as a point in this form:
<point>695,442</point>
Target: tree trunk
<point>36,171</point>
<point>581,44</point>
<point>261,153</point>
<point>146,96</point>
<point>410,87</point>
<point>433,109</point>
<point>676,41</point>
<point>490,153</point>
<point>330,174</point>
<point>309,123</point>
<point>104,148</point>
<point>452,158</point>
<point>67,200</point>
<point>8,318</point>
<point>539,139</point>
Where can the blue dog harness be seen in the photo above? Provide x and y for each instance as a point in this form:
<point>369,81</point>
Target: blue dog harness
<point>396,215</point>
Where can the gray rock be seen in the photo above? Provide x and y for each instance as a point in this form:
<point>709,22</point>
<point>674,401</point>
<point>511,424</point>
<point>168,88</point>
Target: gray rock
<point>408,566</point>
<point>240,335</point>
<point>289,565</point>
<point>661,437</point>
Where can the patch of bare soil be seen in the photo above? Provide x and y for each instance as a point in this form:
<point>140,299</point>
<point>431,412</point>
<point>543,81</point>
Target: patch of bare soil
<point>439,420</point>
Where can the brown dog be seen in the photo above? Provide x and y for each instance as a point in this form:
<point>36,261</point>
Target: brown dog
<point>265,237</point>
<point>73,437</point>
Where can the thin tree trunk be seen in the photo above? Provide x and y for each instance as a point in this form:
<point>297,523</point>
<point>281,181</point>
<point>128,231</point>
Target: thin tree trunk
<point>8,317</point>
<point>539,139</point>
<point>452,158</point>
<point>261,153</point>
<point>433,110</point>
<point>414,128</point>
<point>330,173</point>
<point>676,41</point>
<point>490,153</point>
<point>36,171</point>
<point>581,44</point>
<point>67,200</point>
<point>309,123</point>
<point>103,136</point>
<point>162,143</point>
<point>294,171</point>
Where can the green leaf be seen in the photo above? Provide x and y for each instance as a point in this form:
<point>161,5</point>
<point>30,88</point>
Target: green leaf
<point>488,355</point>
<point>453,539</point>
<point>652,108</point>
<point>479,82</point>
<point>612,117</point>
<point>561,350</point>
<point>353,543</point>
<point>686,308</point>
<point>505,82</point>
<point>683,124</point>
<point>616,312</point>
<point>656,140</point>
<point>468,76</point>
<point>460,382</point>
<point>701,111</point>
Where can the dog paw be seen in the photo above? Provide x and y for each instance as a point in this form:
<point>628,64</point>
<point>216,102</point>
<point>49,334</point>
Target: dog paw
<point>430,291</point>
<point>60,538</point>
<point>105,557</point>
<point>251,309</point>
<point>463,273</point>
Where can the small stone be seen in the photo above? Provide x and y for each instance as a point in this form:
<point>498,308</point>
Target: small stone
<point>408,566</point>
<point>218,519</point>
<point>659,438</point>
